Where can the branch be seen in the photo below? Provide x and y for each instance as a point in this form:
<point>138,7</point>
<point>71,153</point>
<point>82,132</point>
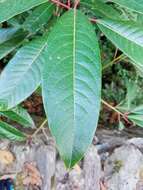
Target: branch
<point>92,20</point>
<point>111,107</point>
<point>69,3</point>
<point>76,3</point>
<point>124,115</point>
<point>39,128</point>
<point>61,4</point>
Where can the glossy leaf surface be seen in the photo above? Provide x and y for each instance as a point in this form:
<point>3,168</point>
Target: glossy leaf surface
<point>20,116</point>
<point>10,8</point>
<point>8,131</point>
<point>22,75</point>
<point>126,35</point>
<point>39,17</point>
<point>72,85</point>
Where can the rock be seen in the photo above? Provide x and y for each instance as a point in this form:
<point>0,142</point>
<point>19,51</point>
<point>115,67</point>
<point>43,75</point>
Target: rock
<point>138,142</point>
<point>78,179</point>
<point>92,170</point>
<point>73,180</point>
<point>123,168</point>
<point>43,155</point>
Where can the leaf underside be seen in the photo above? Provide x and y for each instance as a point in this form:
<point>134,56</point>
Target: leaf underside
<point>72,85</point>
<point>126,35</point>
<point>10,39</point>
<point>22,75</point>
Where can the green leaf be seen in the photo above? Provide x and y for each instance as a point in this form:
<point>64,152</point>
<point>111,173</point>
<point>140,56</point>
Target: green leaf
<point>22,75</point>
<point>19,115</point>
<point>10,8</point>
<point>137,110</point>
<point>126,35</point>
<point>10,41</point>
<point>6,34</point>
<point>39,17</point>
<point>121,126</point>
<point>136,115</point>
<point>137,119</point>
<point>134,5</point>
<point>100,8</point>
<point>72,85</point>
<point>7,131</point>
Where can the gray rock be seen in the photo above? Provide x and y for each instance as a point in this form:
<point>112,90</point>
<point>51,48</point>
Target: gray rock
<point>123,168</point>
<point>92,170</point>
<point>138,142</point>
<point>43,155</point>
<point>78,179</point>
<point>72,180</point>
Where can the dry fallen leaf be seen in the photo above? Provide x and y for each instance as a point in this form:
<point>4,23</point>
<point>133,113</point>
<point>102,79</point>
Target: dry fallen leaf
<point>6,157</point>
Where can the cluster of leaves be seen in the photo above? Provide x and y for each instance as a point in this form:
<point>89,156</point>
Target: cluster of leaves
<point>58,50</point>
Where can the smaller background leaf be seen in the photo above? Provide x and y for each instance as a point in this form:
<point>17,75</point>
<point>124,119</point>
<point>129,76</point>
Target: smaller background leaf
<point>121,126</point>
<point>7,131</point>
<point>19,115</point>
<point>39,17</point>
<point>11,42</point>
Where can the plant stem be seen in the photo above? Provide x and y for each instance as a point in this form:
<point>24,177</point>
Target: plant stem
<point>69,3</point>
<point>120,57</point>
<point>76,3</point>
<point>124,115</point>
<point>39,128</point>
<point>111,107</point>
<point>61,4</point>
<point>92,20</point>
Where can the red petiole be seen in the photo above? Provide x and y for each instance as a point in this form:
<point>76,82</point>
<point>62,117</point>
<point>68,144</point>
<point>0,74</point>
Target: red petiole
<point>61,4</point>
<point>68,6</point>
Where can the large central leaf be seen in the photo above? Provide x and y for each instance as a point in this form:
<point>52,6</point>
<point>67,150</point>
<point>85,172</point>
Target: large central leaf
<point>72,85</point>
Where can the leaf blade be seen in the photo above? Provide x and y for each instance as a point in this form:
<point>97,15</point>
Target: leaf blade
<point>134,5</point>
<point>7,131</point>
<point>68,85</point>
<point>126,35</point>
<point>22,75</point>
<point>39,17</point>
<point>10,8</point>
<point>20,116</point>
<point>10,41</point>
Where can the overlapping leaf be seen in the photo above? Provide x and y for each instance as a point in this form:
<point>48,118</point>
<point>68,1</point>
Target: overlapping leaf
<point>135,5</point>
<point>10,8</point>
<point>126,35</point>
<point>10,38</point>
<point>7,131</point>
<point>39,17</point>
<point>72,85</point>
<point>22,75</point>
<point>100,8</point>
<point>19,115</point>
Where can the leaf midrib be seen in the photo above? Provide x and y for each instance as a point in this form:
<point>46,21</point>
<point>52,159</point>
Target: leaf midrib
<point>74,62</point>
